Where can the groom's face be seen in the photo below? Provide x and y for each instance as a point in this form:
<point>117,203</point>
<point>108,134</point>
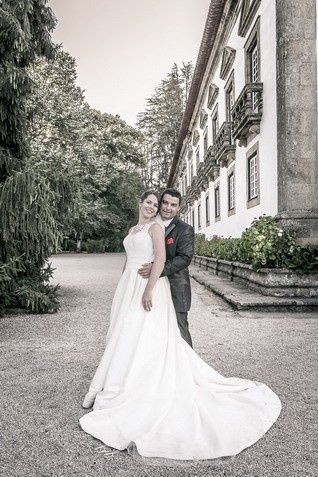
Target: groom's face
<point>169,207</point>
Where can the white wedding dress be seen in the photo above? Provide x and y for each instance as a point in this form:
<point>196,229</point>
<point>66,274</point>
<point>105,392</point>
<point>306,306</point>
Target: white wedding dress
<point>152,390</point>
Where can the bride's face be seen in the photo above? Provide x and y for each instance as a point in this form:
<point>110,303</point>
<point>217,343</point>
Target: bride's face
<point>149,206</point>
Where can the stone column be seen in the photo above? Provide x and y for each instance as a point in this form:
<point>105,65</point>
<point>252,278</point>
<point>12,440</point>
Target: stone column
<point>296,76</point>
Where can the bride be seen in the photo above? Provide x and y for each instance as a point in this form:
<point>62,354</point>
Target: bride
<point>150,388</point>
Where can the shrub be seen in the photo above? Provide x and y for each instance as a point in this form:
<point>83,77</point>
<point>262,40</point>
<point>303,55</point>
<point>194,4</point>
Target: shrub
<point>263,244</point>
<point>304,259</point>
<point>95,246</point>
<point>71,245</point>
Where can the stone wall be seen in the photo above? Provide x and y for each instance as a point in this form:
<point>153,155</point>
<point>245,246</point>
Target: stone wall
<point>279,282</point>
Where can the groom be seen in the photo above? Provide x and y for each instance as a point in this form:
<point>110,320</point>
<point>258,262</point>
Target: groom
<point>179,238</point>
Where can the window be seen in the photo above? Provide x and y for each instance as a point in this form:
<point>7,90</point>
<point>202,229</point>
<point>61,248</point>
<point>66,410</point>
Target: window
<point>207,210</point>
<point>252,177</point>
<point>252,58</point>
<point>215,124</point>
<point>192,217</point>
<point>229,97</point>
<point>190,172</point>
<point>203,118</point>
<point>254,64</point>
<point>231,191</point>
<point>212,95</point>
<point>205,141</point>
<point>199,216</point>
<point>197,157</point>
<point>217,201</point>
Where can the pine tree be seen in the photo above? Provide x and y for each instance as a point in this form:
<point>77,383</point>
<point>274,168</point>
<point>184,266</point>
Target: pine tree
<point>160,123</point>
<point>28,231</point>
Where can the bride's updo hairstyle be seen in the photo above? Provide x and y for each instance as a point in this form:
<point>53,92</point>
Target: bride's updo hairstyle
<point>145,194</point>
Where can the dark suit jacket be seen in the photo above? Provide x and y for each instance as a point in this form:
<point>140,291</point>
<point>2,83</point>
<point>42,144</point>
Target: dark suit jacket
<point>179,238</point>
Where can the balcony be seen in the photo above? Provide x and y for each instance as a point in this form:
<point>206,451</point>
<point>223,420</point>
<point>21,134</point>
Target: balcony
<point>188,197</point>
<point>224,145</point>
<point>247,113</point>
<point>211,168</point>
<point>200,169</point>
<point>202,185</point>
<point>195,188</point>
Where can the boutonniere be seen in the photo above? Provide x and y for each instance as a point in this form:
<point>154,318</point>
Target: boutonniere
<point>169,241</point>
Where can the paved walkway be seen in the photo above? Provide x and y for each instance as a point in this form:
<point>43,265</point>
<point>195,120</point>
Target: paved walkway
<point>47,362</point>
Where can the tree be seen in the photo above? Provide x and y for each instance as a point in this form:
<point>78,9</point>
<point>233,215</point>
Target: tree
<point>160,123</point>
<point>28,231</point>
<point>76,146</point>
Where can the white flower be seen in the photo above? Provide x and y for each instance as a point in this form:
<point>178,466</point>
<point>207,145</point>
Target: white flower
<point>280,233</point>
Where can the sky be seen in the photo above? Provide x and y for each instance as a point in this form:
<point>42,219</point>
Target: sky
<point>124,48</point>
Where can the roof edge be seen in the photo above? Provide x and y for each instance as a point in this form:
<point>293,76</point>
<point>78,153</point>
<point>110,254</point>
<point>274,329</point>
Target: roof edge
<point>209,34</point>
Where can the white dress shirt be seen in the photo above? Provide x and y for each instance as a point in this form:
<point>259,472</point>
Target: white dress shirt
<point>164,223</point>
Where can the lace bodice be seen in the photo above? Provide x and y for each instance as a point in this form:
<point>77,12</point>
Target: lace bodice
<point>139,248</point>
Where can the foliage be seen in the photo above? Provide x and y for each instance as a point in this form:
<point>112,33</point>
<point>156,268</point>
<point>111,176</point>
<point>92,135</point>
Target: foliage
<point>28,232</point>
<point>263,244</point>
<point>24,34</point>
<point>218,247</point>
<point>160,123</point>
<point>304,259</point>
<point>98,156</point>
<point>95,246</point>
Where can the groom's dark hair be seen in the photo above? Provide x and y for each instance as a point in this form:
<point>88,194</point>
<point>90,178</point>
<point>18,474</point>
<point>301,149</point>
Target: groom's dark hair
<point>173,193</point>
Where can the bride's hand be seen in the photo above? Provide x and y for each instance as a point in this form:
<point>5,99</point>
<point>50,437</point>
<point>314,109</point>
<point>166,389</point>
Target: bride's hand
<point>147,300</point>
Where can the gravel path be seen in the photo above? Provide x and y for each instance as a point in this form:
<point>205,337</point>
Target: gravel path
<point>47,362</point>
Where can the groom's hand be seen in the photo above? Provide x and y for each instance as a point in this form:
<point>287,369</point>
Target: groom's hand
<point>145,270</point>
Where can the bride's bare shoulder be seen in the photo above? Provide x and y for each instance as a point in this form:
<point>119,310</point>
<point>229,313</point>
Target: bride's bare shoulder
<point>155,230</point>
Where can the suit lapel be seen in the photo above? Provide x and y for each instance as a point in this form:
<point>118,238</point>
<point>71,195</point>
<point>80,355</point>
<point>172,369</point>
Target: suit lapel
<point>171,226</point>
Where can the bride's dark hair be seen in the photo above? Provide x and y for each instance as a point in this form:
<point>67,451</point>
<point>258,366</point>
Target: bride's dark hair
<point>145,194</point>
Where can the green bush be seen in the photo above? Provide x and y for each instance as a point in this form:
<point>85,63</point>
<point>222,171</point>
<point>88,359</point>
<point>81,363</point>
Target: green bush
<point>95,246</point>
<point>263,244</point>
<point>304,259</point>
<point>71,245</point>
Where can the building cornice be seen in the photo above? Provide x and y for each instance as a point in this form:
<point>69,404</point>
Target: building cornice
<point>209,34</point>
<point>211,37</point>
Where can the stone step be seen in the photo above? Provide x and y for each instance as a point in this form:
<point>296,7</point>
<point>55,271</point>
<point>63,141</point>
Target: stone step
<point>242,298</point>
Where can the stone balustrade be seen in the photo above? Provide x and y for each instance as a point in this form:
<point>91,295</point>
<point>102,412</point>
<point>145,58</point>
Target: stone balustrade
<point>225,145</point>
<point>247,113</point>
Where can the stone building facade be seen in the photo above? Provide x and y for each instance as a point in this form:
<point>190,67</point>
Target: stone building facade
<point>248,140</point>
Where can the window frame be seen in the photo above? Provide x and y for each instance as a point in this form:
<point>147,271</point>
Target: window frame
<point>250,154</point>
<point>199,216</point>
<point>230,86</point>
<point>207,209</point>
<point>231,174</point>
<point>205,141</point>
<point>253,39</point>
<point>215,123</point>
<point>197,157</point>
<point>217,202</point>
<point>191,171</point>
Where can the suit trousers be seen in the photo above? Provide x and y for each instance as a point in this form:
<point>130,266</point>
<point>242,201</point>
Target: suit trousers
<point>182,318</point>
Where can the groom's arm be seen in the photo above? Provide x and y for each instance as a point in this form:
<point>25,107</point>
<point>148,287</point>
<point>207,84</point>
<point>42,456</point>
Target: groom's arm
<point>184,253</point>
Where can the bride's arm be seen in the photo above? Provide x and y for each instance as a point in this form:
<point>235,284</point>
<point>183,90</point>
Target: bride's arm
<point>124,265</point>
<point>158,241</point>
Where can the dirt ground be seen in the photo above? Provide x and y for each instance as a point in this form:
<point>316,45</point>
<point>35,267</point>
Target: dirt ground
<point>47,362</point>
